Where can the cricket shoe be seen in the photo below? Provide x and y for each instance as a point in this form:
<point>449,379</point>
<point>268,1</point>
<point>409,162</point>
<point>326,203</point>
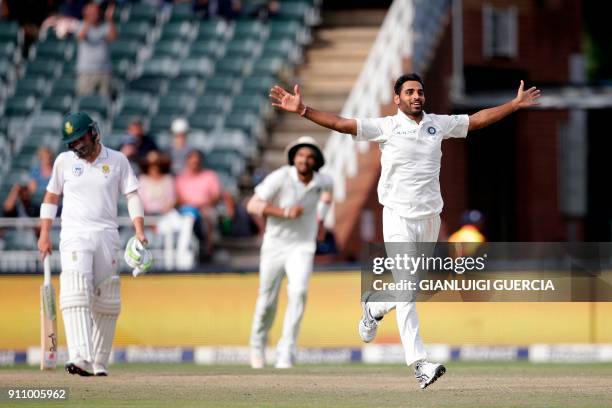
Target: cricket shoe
<point>80,367</point>
<point>368,325</point>
<point>427,373</point>
<point>100,370</point>
<point>258,359</point>
<point>284,362</point>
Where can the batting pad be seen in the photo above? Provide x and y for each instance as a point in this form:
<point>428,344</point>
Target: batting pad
<point>106,307</point>
<point>75,305</point>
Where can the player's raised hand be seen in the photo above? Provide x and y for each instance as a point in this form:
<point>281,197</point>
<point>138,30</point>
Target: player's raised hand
<point>525,99</point>
<point>286,100</point>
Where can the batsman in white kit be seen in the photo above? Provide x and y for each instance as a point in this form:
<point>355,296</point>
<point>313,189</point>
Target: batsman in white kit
<point>409,186</point>
<point>294,199</point>
<point>90,176</point>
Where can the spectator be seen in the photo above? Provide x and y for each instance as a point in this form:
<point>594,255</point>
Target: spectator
<point>94,66</point>
<point>179,148</point>
<point>156,185</point>
<point>228,9</point>
<point>198,191</point>
<point>261,9</point>
<point>24,199</point>
<point>136,144</point>
<point>41,173</point>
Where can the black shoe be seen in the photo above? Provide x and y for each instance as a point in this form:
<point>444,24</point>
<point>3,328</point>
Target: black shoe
<point>72,368</point>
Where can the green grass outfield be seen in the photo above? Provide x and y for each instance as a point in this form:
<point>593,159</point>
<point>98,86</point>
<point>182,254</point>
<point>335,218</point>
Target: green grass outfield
<point>353,385</point>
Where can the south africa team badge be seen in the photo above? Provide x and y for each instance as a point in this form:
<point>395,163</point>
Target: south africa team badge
<point>105,168</point>
<point>77,169</point>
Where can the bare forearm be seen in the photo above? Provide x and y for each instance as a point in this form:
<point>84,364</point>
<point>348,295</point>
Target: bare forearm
<point>272,211</point>
<point>112,32</point>
<point>330,120</point>
<point>138,225</point>
<point>489,116</point>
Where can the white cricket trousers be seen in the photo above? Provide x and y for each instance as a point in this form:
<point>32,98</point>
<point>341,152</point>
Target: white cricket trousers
<point>399,229</point>
<point>296,261</point>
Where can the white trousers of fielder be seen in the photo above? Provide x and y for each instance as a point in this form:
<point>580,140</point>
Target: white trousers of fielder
<point>399,229</point>
<point>296,261</point>
<point>89,293</point>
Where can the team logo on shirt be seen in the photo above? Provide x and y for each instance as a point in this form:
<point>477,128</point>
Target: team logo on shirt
<point>431,130</point>
<point>105,168</point>
<point>77,169</point>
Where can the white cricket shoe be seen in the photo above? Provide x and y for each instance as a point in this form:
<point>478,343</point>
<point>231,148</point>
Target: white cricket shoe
<point>258,359</point>
<point>368,325</point>
<point>427,373</point>
<point>80,367</point>
<point>283,361</point>
<point>100,370</point>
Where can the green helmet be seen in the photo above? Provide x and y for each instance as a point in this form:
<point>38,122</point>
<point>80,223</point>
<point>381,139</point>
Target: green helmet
<point>76,125</point>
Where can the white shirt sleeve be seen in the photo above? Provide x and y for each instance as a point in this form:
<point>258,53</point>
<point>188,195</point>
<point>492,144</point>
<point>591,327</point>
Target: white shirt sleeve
<point>56,181</point>
<point>372,129</point>
<point>455,126</point>
<point>128,181</point>
<point>271,185</point>
<point>327,182</point>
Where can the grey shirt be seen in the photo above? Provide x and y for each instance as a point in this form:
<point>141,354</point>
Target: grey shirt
<point>94,51</point>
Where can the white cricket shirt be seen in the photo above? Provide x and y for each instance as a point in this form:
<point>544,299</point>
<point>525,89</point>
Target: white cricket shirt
<point>91,190</point>
<point>411,154</point>
<point>282,188</point>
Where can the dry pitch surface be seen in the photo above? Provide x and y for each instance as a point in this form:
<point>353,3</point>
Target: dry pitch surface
<point>464,385</point>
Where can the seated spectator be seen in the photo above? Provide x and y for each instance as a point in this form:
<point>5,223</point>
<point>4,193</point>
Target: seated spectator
<point>179,148</point>
<point>24,199</point>
<point>136,144</point>
<point>228,9</point>
<point>156,186</point>
<point>198,191</point>
<point>41,172</point>
<point>261,9</point>
<point>94,67</point>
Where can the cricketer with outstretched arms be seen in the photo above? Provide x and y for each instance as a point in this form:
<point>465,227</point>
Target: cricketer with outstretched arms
<point>409,186</point>
<point>90,177</point>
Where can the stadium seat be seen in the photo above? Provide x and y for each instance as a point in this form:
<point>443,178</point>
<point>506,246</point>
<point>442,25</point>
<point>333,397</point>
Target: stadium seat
<point>207,48</point>
<point>36,87</point>
<point>64,86</point>
<point>57,103</point>
<point>8,51</point>
<point>120,123</point>
<point>9,31</point>
<point>247,48</point>
<point>137,104</point>
<point>182,31</point>
<point>175,48</point>
<point>163,67</point>
<point>182,12</point>
<point>281,48</point>
<point>257,84</point>
<point>185,84</point>
<point>234,139</point>
<point>179,105</point>
<point>142,12</point>
<point>62,50</point>
<point>134,30</point>
<point>205,122</point>
<point>161,123</point>
<point>269,66</point>
<point>280,29</point>
<point>196,67</point>
<point>250,29</point>
<point>19,105</point>
<point>251,103</point>
<point>95,103</point>
<point>233,66</point>
<point>43,68</point>
<point>247,122</point>
<point>125,48</point>
<point>228,161</point>
<point>222,84</point>
<point>212,30</point>
<point>153,86</point>
<point>213,104</point>
<point>47,122</point>
<point>294,11</point>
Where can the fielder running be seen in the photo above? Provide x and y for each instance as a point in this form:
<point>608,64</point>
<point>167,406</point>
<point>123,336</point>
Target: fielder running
<point>90,177</point>
<point>295,199</point>
<point>409,186</point>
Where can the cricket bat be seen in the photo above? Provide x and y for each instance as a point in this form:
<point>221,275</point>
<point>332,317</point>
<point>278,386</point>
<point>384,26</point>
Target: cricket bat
<point>48,320</point>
